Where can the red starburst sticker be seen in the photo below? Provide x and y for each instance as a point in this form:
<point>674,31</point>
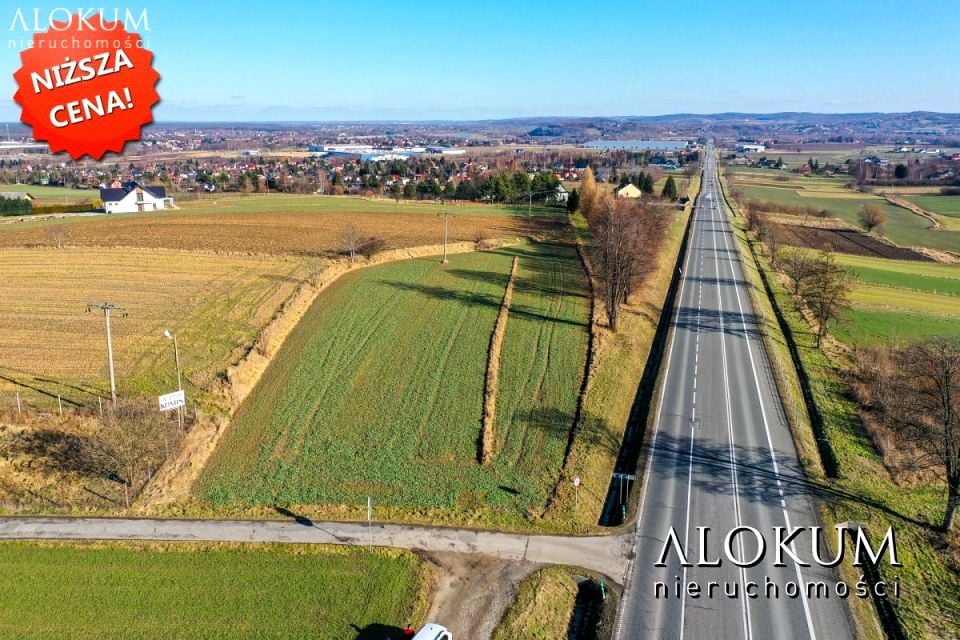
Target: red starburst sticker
<point>86,87</point>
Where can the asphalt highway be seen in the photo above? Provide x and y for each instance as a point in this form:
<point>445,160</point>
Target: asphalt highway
<point>722,457</point>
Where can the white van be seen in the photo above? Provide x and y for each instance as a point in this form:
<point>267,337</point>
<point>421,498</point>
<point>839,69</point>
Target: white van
<point>433,632</point>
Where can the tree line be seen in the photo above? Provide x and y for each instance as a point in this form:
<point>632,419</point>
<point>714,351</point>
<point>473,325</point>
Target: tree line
<point>627,235</point>
<point>15,206</point>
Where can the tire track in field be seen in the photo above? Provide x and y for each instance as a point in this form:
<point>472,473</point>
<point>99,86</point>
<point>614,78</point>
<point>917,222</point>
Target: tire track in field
<point>556,309</point>
<point>445,358</point>
<point>299,430</point>
<point>534,383</point>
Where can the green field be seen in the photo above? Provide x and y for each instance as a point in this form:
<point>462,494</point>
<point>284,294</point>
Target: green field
<point>899,299</point>
<point>944,205</point>
<point>932,277</point>
<point>277,202</point>
<point>113,591</point>
<point>54,195</point>
<point>258,202</point>
<point>379,391</point>
<point>902,227</point>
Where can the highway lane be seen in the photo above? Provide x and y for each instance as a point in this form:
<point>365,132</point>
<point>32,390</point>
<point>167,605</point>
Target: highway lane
<point>721,457</point>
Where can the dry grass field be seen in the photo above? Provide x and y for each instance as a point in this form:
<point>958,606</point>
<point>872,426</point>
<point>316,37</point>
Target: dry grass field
<point>277,224</point>
<point>214,303</point>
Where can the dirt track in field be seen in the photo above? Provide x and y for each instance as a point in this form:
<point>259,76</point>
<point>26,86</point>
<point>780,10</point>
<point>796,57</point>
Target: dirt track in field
<point>473,591</point>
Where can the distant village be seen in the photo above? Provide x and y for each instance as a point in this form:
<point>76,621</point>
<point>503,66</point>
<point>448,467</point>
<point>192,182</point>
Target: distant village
<point>501,173</point>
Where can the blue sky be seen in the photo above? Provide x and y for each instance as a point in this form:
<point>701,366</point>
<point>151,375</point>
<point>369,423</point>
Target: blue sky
<point>467,60</point>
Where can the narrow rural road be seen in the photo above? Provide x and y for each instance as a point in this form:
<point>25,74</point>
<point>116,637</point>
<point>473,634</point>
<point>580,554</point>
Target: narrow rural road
<point>604,554</point>
<point>722,457</point>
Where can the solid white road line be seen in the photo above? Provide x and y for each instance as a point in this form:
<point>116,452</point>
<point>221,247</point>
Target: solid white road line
<point>744,606</point>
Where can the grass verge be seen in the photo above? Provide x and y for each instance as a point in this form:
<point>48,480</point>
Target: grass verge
<point>545,606</point>
<point>618,368</point>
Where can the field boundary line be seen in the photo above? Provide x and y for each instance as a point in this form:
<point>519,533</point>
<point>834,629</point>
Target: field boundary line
<point>897,201</point>
<point>488,441</point>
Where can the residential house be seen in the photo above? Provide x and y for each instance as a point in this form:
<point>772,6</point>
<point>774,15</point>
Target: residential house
<point>134,198</point>
<point>560,194</point>
<point>629,191</point>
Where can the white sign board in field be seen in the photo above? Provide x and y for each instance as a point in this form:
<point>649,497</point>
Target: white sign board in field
<point>173,400</point>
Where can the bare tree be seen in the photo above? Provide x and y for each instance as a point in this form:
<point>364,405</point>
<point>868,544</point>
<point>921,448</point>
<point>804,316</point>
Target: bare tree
<point>627,240</point>
<point>768,235</point>
<point>797,265</point>
<point>372,245</point>
<point>132,444</point>
<point>756,219</point>
<point>872,218</point>
<point>826,292</point>
<point>351,240</point>
<point>59,235</point>
<point>920,400</point>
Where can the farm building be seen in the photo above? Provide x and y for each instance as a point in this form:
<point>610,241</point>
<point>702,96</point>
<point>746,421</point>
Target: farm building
<point>629,191</point>
<point>133,198</point>
<point>751,148</point>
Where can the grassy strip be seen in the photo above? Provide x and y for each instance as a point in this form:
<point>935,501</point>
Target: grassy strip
<point>545,603</point>
<point>488,437</point>
<point>183,590</point>
<point>542,609</point>
<point>865,492</point>
<point>800,409</point>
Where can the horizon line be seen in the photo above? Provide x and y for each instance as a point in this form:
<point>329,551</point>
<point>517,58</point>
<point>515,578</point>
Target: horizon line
<point>537,117</point>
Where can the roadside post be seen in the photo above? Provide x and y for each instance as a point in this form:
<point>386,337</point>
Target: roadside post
<point>370,518</point>
<point>576,493</point>
<point>176,359</point>
<point>446,217</point>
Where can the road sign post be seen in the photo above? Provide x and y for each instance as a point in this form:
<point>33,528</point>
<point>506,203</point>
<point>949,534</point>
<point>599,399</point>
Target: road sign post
<point>576,493</point>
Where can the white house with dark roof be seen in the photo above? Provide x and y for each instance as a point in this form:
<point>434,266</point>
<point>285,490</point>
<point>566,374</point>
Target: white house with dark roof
<point>133,198</point>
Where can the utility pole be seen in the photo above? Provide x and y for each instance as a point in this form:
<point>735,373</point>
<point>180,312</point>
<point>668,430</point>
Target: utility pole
<point>446,216</point>
<point>107,308</point>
